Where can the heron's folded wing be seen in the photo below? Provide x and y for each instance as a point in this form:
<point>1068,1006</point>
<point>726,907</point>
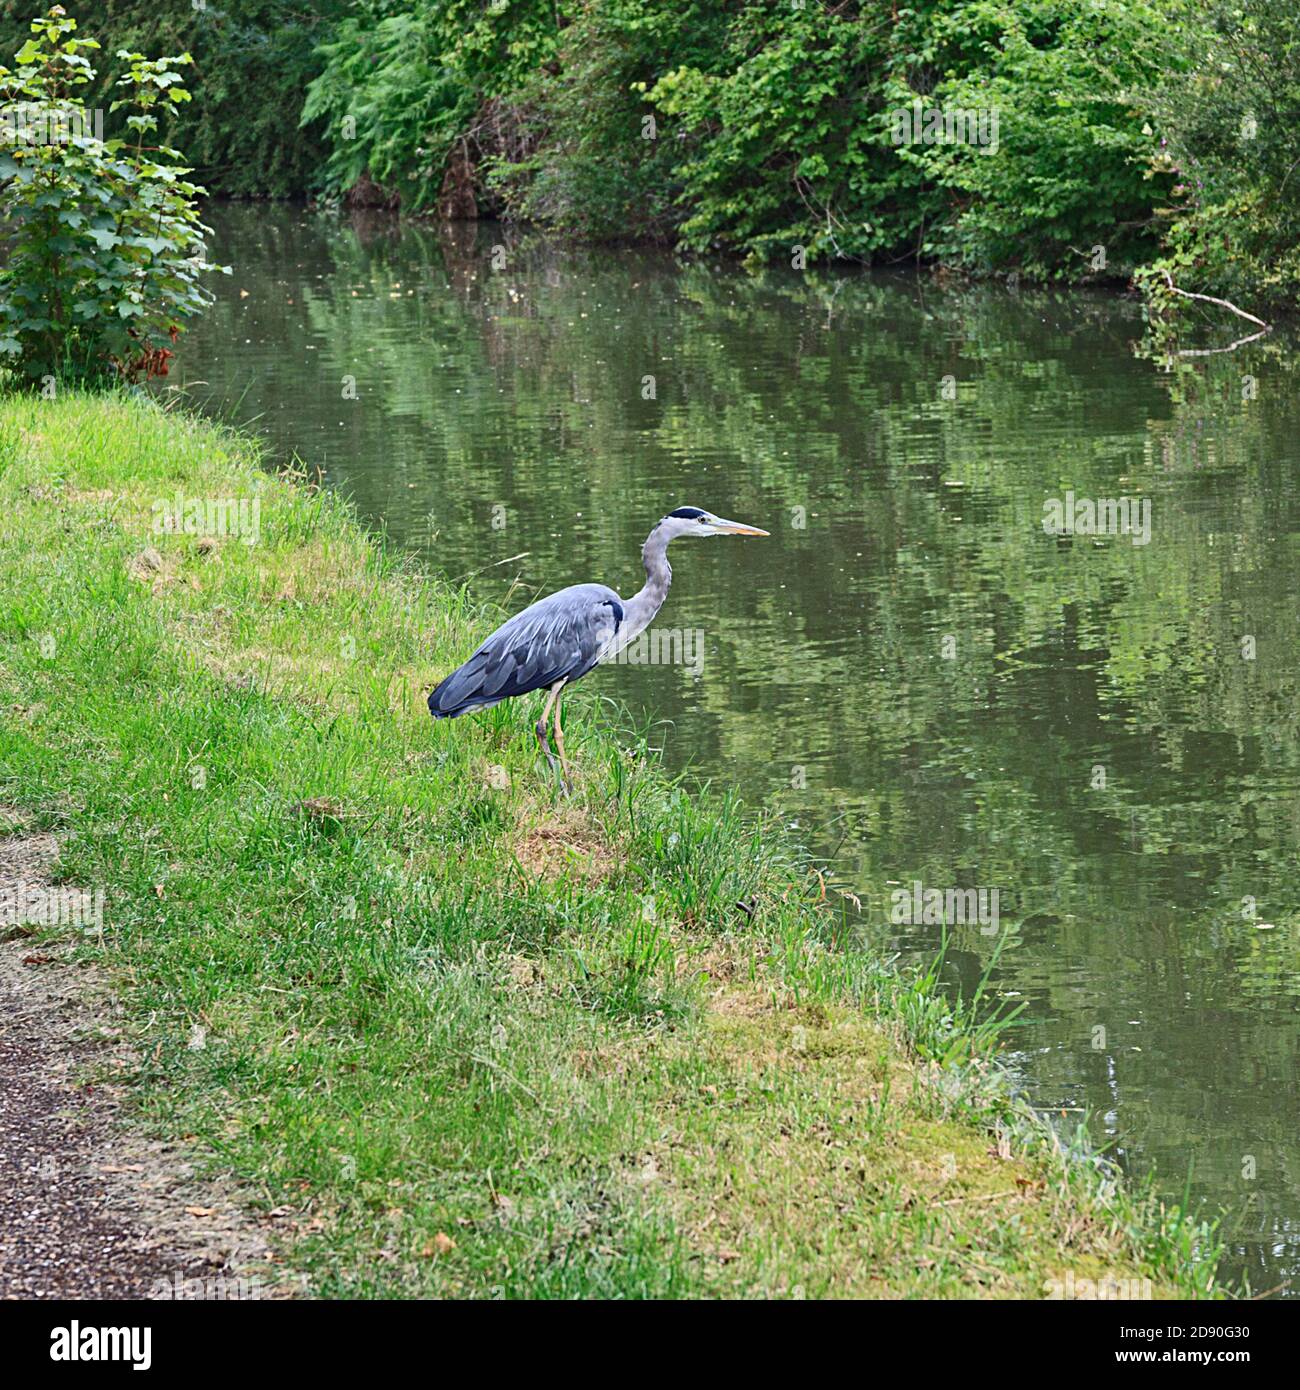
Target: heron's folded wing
<point>558,638</point>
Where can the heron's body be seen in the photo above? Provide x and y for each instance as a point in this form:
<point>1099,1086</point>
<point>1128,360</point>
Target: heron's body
<point>561,637</point>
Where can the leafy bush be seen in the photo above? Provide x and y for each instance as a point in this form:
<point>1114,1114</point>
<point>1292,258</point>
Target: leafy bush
<point>1072,188</point>
<point>106,250</point>
<point>253,60</point>
<point>402,82</point>
<point>796,138</point>
<point>599,165</point>
<point>759,128</point>
<point>764,125</point>
<point>1231,119</point>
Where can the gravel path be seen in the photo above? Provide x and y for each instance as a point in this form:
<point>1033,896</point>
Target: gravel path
<point>88,1210</point>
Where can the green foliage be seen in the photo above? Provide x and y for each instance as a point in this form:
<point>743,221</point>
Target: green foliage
<point>598,166</point>
<point>384,86</point>
<point>780,138</point>
<point>1231,119</point>
<point>768,125</point>
<point>252,61</point>
<point>106,247</point>
<point>798,141</point>
<point>1075,170</point>
<point>401,82</point>
<point>760,128</point>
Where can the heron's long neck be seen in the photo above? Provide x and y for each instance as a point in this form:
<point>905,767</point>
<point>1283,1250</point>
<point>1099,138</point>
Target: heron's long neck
<point>639,611</point>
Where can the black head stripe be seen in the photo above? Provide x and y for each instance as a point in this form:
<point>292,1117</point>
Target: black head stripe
<point>688,513</point>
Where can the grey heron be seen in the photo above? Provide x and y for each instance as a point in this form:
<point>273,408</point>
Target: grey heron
<point>558,639</point>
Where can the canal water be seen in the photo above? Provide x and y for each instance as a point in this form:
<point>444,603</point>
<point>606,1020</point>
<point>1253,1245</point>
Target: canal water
<point>1025,635</point>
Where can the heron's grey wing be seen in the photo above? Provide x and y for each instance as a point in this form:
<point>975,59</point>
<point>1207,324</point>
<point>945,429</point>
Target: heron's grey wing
<point>560,637</point>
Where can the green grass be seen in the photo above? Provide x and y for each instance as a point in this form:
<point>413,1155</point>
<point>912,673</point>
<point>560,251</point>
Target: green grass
<point>441,1022</point>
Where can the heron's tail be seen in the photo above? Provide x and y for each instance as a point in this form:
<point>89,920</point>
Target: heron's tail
<point>440,707</point>
<point>456,696</point>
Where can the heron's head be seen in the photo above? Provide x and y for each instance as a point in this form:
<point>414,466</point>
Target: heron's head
<point>695,521</point>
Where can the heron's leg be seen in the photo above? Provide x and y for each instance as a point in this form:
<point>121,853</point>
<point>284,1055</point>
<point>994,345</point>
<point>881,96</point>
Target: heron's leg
<point>541,728</point>
<point>559,738</point>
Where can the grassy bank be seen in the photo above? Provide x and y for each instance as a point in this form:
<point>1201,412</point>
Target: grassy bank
<point>460,1036</point>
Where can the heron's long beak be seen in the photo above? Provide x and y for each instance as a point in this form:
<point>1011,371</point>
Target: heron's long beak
<point>736,528</point>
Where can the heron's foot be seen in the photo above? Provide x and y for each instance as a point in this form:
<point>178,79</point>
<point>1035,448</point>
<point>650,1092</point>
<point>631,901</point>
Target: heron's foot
<point>566,779</point>
<point>557,768</point>
<point>562,775</point>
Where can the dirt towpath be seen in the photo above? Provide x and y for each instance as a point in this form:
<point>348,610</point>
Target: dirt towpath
<point>89,1209</point>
